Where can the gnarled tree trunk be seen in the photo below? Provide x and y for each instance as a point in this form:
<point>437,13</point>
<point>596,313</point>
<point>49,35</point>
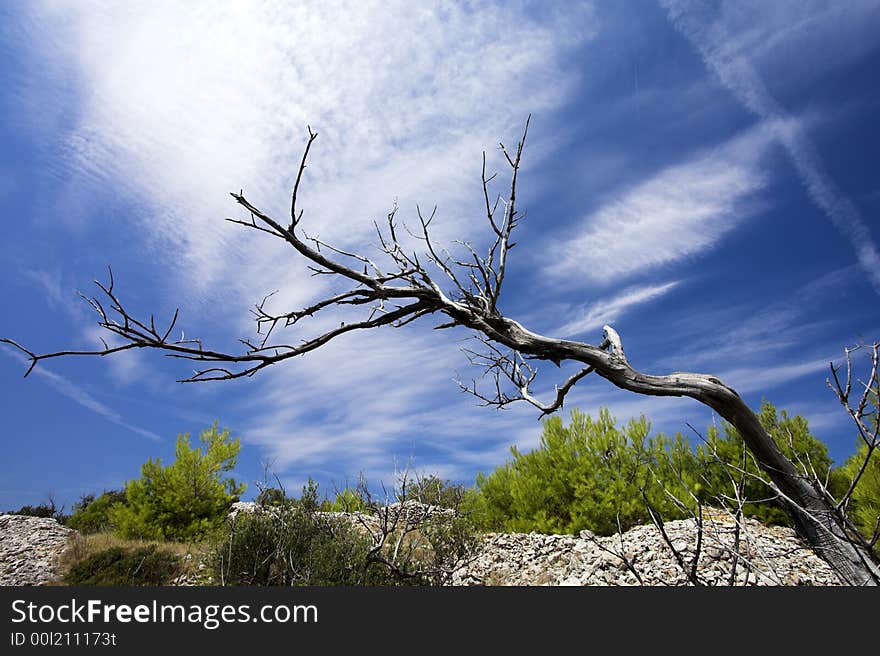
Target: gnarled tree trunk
<point>815,517</point>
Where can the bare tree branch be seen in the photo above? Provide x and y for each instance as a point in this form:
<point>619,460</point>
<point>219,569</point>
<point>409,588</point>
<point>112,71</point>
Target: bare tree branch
<point>294,218</point>
<point>410,292</point>
<point>870,435</point>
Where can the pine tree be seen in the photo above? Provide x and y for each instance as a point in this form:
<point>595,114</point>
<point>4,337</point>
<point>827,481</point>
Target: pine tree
<point>186,499</point>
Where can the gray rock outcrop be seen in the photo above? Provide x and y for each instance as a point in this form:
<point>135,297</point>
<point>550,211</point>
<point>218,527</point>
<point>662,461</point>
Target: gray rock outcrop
<point>764,555</point>
<point>29,549</point>
<point>768,555</point>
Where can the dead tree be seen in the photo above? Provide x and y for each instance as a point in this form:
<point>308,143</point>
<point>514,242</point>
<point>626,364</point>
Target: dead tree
<point>464,290</point>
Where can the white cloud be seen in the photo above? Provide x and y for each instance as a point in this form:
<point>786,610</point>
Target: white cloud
<point>50,285</point>
<point>63,386</point>
<point>360,403</point>
<point>181,104</point>
<point>680,212</point>
<point>757,331</point>
<point>178,104</point>
<point>124,368</point>
<point>611,309</point>
<point>791,41</point>
<point>756,378</point>
<point>723,50</point>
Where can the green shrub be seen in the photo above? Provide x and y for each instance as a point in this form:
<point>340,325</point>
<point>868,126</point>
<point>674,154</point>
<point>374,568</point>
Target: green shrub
<point>588,475</point>
<point>597,476</point>
<point>291,546</point>
<point>864,505</point>
<point>125,566</point>
<point>271,496</point>
<point>289,542</point>
<point>45,509</point>
<point>297,542</point>
<point>293,543</point>
<point>346,500</point>
<point>92,515</point>
<point>450,540</point>
<point>185,500</point>
<point>724,454</point>
<point>433,491</point>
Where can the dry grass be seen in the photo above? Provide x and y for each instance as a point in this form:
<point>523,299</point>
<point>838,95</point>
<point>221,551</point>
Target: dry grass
<point>81,547</point>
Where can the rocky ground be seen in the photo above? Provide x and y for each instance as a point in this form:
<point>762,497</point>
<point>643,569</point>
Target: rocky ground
<point>29,549</point>
<point>641,556</point>
<point>767,555</point>
<point>30,546</point>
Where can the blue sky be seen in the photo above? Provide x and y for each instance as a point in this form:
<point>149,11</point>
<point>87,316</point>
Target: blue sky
<point>702,175</point>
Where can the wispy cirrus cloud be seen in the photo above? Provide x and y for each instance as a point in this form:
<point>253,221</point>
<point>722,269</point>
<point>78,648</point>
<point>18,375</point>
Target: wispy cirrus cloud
<point>128,366</point>
<point>49,285</point>
<point>759,331</point>
<point>403,99</point>
<point>78,395</point>
<point>677,213</point>
<point>363,403</point>
<point>725,53</point>
<point>757,378</point>
<point>175,107</point>
<point>609,310</point>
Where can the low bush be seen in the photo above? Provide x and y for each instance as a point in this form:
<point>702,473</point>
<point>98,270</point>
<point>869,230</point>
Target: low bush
<point>45,509</point>
<point>296,542</point>
<point>92,515</point>
<point>291,547</point>
<point>148,565</point>
<point>588,475</point>
<point>451,540</point>
<point>433,491</point>
<point>290,541</point>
